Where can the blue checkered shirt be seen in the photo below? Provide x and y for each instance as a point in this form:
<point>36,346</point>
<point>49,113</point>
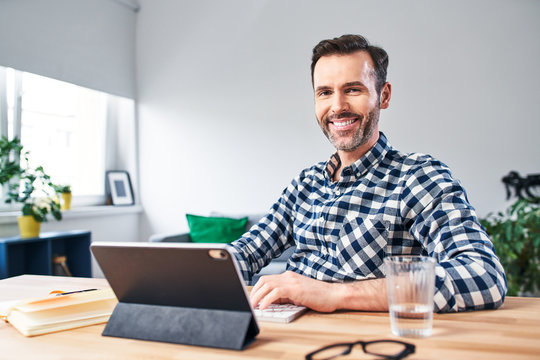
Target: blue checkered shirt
<point>386,203</point>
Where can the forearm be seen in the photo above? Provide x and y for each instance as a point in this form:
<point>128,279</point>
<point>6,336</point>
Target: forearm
<point>366,295</point>
<point>322,296</point>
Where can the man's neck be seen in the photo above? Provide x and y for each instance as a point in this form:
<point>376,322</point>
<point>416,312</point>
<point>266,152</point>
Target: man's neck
<point>349,157</point>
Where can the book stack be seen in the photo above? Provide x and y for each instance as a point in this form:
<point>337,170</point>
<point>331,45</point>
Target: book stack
<point>59,312</point>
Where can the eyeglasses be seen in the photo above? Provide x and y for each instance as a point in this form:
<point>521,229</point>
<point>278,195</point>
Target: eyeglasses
<point>387,349</point>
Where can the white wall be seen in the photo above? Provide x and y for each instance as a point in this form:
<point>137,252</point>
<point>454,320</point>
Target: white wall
<point>225,103</point>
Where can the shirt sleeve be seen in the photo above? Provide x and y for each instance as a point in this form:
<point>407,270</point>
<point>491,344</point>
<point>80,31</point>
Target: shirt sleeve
<point>269,238</point>
<point>469,275</point>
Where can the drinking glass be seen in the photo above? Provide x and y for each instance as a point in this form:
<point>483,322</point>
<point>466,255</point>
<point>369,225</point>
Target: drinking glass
<point>411,283</point>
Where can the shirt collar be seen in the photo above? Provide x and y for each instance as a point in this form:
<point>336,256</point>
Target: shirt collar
<point>362,165</point>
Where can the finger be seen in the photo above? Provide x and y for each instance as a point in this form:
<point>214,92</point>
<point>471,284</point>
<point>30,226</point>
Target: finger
<point>258,284</point>
<point>266,285</point>
<point>258,293</point>
<point>270,298</point>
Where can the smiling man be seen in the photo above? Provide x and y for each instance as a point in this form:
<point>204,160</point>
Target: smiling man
<point>348,103</point>
<point>368,201</point>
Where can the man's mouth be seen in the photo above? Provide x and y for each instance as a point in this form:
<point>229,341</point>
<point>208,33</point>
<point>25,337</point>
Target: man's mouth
<point>344,123</point>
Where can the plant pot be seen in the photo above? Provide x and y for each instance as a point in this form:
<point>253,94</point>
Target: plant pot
<point>28,226</point>
<point>66,201</point>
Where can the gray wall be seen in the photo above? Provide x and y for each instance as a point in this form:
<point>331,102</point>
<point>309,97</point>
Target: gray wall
<point>226,115</point>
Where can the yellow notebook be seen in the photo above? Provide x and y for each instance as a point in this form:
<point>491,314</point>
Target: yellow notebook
<point>59,312</point>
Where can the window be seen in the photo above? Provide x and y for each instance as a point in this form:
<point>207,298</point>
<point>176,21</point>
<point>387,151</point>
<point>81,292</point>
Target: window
<point>64,127</point>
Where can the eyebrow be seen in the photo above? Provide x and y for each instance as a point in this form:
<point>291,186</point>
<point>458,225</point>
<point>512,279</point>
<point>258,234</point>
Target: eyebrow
<point>324,87</point>
<point>355,83</point>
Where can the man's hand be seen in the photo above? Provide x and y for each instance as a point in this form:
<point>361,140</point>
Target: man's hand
<point>318,295</point>
<point>293,288</point>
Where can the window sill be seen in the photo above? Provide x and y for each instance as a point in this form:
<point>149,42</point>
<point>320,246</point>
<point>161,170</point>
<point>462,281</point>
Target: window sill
<point>9,217</point>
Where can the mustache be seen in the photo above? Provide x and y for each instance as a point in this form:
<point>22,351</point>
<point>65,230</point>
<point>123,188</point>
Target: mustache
<point>342,115</point>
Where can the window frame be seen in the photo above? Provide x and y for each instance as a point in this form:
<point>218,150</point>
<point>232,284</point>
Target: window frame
<point>112,121</point>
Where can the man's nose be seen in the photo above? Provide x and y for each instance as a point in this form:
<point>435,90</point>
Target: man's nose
<point>339,104</point>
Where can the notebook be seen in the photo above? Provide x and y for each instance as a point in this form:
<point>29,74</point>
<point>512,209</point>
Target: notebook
<point>184,281</point>
<point>56,312</point>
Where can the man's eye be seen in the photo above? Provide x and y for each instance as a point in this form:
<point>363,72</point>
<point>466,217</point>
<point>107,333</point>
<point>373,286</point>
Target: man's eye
<point>324,93</point>
<point>353,90</point>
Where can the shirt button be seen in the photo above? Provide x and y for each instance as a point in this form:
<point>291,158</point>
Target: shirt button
<point>338,192</point>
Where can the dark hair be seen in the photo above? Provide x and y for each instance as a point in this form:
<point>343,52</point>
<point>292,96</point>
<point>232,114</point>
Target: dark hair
<point>348,44</point>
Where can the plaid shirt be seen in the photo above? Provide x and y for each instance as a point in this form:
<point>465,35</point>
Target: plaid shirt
<point>386,203</point>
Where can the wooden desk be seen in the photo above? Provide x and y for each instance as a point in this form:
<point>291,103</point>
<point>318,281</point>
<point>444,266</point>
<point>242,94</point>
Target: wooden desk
<point>512,332</point>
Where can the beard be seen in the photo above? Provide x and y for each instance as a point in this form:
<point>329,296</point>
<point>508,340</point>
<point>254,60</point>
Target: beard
<point>350,140</point>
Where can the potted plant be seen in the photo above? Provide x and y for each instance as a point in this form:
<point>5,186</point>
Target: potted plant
<point>38,197</point>
<point>65,193</point>
<point>10,153</point>
<point>516,237</point>
<point>28,186</point>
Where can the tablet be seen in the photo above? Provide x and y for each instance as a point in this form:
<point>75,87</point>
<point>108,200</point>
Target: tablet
<point>182,280</point>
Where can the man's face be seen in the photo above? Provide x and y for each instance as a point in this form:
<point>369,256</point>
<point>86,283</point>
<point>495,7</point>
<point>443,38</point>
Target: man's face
<point>346,101</point>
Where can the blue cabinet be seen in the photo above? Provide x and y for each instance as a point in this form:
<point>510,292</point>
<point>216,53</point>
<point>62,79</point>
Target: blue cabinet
<point>35,255</point>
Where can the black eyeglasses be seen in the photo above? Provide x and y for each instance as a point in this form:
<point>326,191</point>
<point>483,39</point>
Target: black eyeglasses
<point>387,349</point>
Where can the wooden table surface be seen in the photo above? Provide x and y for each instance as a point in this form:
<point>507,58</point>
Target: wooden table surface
<point>511,332</point>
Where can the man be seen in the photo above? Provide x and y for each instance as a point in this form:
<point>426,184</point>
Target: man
<point>367,202</point>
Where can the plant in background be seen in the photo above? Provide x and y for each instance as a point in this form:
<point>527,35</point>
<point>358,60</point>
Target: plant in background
<point>516,237</point>
<point>10,154</point>
<point>38,208</point>
<point>31,187</point>
<point>65,193</point>
<point>37,194</point>
<point>62,189</point>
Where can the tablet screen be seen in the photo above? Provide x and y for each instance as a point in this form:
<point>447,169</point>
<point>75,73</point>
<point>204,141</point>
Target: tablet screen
<point>174,274</point>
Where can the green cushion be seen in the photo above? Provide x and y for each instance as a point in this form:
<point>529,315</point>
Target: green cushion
<point>204,229</point>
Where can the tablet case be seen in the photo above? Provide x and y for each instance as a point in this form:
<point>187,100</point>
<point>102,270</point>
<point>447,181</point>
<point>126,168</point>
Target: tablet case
<point>177,293</point>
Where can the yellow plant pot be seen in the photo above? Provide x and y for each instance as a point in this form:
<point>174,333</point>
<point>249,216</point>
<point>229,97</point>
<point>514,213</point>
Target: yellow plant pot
<point>28,226</point>
<point>66,201</point>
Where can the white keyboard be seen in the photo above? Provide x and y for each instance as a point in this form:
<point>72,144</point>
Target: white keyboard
<point>282,313</point>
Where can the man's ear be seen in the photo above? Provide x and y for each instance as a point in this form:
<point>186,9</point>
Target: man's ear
<point>386,94</point>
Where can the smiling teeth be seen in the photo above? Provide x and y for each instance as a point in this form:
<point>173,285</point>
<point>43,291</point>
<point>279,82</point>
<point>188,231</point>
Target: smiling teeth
<point>344,123</point>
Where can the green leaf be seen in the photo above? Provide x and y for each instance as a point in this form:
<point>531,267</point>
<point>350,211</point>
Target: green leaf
<point>516,238</point>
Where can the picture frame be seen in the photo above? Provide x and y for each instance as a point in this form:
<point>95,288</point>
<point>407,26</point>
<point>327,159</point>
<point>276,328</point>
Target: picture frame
<point>118,186</point>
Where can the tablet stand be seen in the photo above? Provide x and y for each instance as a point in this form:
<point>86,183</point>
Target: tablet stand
<point>181,325</point>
